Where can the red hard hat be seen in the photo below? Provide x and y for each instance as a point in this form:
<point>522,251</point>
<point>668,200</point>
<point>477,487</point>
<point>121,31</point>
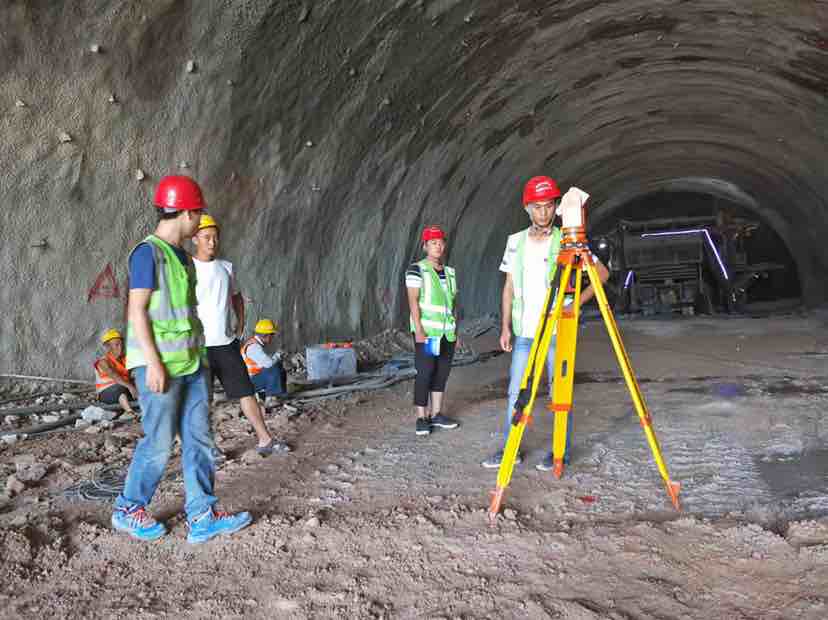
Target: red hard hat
<point>180,193</point>
<point>433,232</point>
<point>540,189</point>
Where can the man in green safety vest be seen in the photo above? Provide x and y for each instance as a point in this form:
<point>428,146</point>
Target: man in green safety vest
<point>530,263</point>
<point>166,353</point>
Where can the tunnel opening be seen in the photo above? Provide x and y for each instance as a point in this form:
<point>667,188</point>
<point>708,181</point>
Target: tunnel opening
<point>695,252</point>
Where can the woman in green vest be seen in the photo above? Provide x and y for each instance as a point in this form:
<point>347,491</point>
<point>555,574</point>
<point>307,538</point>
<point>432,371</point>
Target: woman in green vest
<point>432,295</point>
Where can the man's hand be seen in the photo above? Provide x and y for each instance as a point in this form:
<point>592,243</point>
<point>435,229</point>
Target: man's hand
<point>419,336</point>
<point>156,377</point>
<point>506,339</point>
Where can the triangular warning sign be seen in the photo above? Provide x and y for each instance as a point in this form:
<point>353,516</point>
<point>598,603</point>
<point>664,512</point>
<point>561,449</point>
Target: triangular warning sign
<point>105,285</point>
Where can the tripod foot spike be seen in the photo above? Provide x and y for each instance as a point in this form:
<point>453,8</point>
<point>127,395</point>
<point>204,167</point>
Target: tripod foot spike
<point>557,470</point>
<point>673,489</point>
<point>494,507</point>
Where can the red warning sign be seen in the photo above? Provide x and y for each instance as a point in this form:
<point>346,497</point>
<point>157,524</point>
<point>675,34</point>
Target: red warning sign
<point>105,286</point>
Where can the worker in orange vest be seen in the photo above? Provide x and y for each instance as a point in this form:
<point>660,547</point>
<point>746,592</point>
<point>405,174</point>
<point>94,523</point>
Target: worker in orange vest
<point>112,381</point>
<point>266,371</point>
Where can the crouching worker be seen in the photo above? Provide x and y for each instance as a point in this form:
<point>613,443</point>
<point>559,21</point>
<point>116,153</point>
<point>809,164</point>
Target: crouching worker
<point>112,381</point>
<point>164,349</point>
<point>266,371</point>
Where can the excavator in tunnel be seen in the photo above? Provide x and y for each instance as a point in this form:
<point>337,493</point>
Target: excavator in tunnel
<point>687,265</point>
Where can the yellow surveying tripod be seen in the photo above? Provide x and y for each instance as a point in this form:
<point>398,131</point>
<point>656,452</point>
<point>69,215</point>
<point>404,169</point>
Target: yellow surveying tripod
<point>572,258</point>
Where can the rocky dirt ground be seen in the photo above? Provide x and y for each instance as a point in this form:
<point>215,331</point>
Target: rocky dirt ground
<point>366,520</point>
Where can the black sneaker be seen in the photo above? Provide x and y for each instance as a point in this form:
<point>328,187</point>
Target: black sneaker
<point>441,421</point>
<point>423,427</point>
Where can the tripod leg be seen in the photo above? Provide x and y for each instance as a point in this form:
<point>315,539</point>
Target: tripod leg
<point>523,412</point>
<point>632,384</point>
<point>564,377</point>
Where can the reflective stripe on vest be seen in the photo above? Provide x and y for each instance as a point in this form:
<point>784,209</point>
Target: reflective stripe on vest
<point>172,313</point>
<point>102,379</point>
<point>436,303</point>
<point>517,276</point>
<point>253,368</point>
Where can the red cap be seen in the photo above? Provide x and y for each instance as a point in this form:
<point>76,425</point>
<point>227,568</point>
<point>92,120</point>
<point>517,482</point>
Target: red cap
<point>180,193</point>
<point>540,189</point>
<point>433,232</point>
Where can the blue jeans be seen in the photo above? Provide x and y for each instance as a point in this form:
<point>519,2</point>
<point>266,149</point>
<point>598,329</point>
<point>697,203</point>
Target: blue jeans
<point>271,381</point>
<point>520,357</point>
<point>182,410</point>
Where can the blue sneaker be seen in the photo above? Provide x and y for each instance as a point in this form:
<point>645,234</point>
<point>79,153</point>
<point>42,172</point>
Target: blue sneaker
<point>212,523</point>
<point>137,523</point>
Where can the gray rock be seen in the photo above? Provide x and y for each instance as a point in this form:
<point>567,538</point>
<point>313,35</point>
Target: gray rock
<point>96,414</point>
<point>251,457</point>
<point>14,486</point>
<point>28,470</point>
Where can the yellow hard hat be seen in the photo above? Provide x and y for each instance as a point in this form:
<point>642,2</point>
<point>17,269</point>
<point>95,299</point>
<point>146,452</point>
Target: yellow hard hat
<point>207,222</point>
<point>110,334</point>
<point>266,326</point>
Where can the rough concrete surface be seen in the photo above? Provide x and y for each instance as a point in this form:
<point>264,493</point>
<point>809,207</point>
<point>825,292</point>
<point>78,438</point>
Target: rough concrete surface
<point>366,520</point>
<point>327,133</point>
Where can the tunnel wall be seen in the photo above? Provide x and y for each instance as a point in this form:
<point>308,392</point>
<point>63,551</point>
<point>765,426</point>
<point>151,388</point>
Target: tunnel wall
<point>326,134</point>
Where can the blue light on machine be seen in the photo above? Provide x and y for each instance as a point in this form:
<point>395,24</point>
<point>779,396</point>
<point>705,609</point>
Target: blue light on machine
<point>692,232</point>
<point>628,281</point>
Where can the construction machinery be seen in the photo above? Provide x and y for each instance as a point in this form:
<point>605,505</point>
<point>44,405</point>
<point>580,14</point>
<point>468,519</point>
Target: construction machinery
<point>692,265</point>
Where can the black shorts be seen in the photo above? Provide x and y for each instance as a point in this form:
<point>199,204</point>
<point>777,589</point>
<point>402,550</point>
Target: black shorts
<point>111,394</point>
<point>227,364</point>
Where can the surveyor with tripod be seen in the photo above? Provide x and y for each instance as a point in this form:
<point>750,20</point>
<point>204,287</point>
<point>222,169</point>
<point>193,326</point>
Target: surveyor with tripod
<point>530,264</point>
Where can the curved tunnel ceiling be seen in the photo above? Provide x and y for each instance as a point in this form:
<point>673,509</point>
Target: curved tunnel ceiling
<point>432,112</point>
<point>327,133</point>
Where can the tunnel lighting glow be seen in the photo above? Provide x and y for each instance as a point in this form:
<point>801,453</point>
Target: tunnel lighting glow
<point>693,232</point>
<point>628,281</point>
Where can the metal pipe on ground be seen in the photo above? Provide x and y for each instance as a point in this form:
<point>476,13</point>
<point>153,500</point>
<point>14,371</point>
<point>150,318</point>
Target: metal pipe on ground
<point>15,399</point>
<point>44,428</point>
<point>52,379</point>
<point>72,406</point>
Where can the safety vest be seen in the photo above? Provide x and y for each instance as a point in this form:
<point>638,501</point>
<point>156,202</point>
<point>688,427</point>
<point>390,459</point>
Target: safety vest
<point>253,368</point>
<point>436,303</point>
<point>172,312</point>
<point>517,272</point>
<point>103,380</point>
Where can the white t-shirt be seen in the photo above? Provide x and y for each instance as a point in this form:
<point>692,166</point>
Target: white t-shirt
<point>215,285</point>
<point>535,274</point>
